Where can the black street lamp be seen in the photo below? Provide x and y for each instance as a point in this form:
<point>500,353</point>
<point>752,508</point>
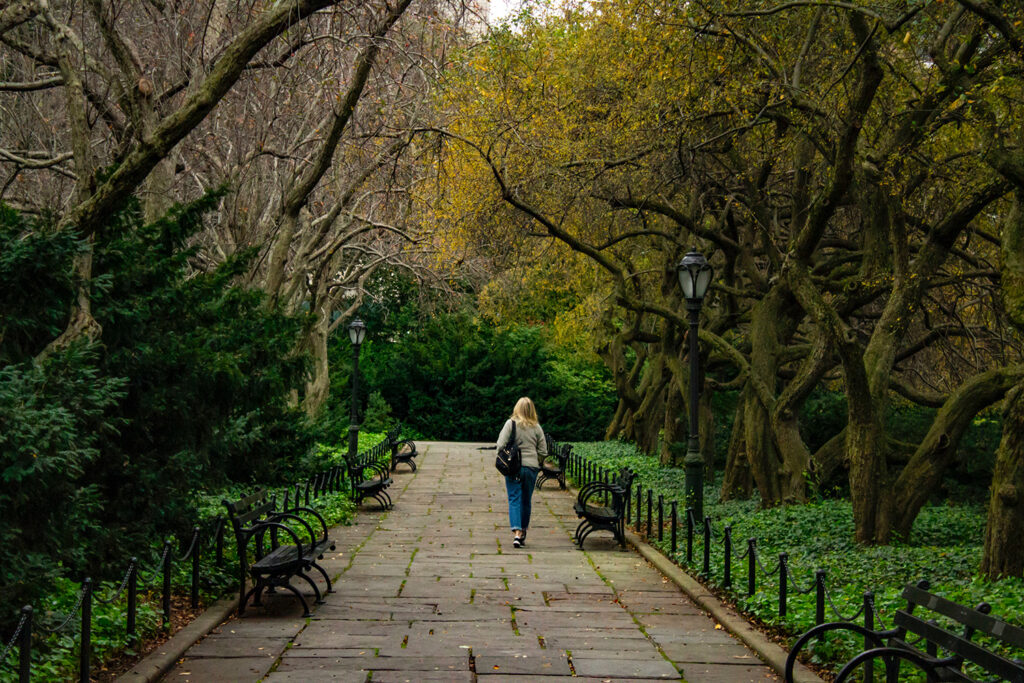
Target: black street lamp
<point>356,333</point>
<point>694,273</point>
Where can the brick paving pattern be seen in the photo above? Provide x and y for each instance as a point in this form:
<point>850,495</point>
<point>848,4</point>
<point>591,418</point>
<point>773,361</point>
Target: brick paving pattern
<point>434,591</point>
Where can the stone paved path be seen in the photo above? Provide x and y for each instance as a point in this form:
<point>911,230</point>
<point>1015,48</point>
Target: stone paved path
<point>434,591</point>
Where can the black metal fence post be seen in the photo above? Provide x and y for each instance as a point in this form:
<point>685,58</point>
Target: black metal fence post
<point>783,582</point>
<point>819,597</point>
<point>195,568</point>
<point>85,642</point>
<point>675,525</point>
<point>219,557</point>
<point>133,590</point>
<point>639,507</point>
<point>629,504</point>
<point>689,536</point>
<point>707,546</point>
<point>167,583</point>
<point>751,566</point>
<point>869,624</point>
<point>661,517</point>
<point>650,506</point>
<point>25,647</point>
<point>727,566</point>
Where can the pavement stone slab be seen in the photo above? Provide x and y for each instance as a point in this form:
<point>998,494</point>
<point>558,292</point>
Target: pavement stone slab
<point>630,668</point>
<point>433,590</point>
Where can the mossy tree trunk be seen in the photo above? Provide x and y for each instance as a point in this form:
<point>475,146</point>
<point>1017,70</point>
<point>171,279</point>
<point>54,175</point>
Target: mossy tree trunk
<point>1005,528</point>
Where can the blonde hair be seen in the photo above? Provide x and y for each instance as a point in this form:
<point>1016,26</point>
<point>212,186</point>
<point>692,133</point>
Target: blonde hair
<point>525,413</point>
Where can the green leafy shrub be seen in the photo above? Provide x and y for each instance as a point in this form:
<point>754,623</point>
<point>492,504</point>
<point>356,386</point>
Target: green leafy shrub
<point>378,414</point>
<point>453,377</point>
<point>103,448</point>
<point>51,417</point>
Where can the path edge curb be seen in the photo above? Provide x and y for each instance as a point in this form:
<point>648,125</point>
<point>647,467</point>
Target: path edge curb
<point>159,662</point>
<point>770,652</point>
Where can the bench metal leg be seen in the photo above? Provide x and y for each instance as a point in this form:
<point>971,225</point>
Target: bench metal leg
<point>579,529</point>
<point>300,596</point>
<point>316,589</point>
<point>245,598</point>
<point>330,586</point>
<point>585,534</point>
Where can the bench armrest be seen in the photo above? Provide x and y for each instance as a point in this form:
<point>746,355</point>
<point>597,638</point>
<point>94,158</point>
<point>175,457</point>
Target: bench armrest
<point>597,488</point>
<point>876,637</point>
<point>916,658</point>
<point>257,531</point>
<point>319,517</point>
<point>288,515</point>
<point>379,469</point>
<point>587,488</point>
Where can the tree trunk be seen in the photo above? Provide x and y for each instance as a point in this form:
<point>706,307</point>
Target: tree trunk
<point>707,433</point>
<point>319,385</point>
<point>795,457</point>
<point>737,483</point>
<point>863,441</point>
<point>1005,528</point>
<point>923,473</point>
<point>764,463</point>
<point>674,429</point>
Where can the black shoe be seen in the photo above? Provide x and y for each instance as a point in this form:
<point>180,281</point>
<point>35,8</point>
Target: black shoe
<point>517,542</point>
<point>522,540</point>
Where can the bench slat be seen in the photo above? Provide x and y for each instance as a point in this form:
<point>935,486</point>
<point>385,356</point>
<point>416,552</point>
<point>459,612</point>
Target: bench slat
<point>255,513</point>
<point>983,623</point>
<point>950,642</point>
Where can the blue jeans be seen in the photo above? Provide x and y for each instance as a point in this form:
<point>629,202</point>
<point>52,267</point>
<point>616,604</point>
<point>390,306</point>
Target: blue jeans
<point>520,494</point>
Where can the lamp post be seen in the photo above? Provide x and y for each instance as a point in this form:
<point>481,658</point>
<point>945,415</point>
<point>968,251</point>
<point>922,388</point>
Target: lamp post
<point>356,333</point>
<point>694,273</point>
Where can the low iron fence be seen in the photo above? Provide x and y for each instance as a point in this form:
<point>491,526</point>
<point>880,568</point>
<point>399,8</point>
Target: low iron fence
<point>689,530</point>
<point>141,578</point>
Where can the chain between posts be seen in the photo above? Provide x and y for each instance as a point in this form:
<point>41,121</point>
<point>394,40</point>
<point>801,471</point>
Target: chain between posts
<point>796,586</point>
<point>124,584</point>
<point>158,568</point>
<point>757,559</point>
<point>25,613</point>
<point>192,546</point>
<point>835,610</point>
<point>70,616</point>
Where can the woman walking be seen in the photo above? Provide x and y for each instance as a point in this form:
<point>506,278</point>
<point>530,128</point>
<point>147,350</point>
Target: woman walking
<point>534,448</point>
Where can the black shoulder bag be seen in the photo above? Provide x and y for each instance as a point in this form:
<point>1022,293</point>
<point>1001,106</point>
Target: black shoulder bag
<point>509,459</point>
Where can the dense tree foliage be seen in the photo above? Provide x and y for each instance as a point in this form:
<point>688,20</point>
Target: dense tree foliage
<point>834,160</point>
<point>104,445</point>
<point>455,375</point>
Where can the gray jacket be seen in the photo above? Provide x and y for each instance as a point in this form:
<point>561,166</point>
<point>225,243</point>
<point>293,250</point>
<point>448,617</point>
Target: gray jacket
<point>532,444</point>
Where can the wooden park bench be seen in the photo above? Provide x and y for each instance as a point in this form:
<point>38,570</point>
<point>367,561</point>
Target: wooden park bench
<point>259,530</point>
<point>602,507</point>
<point>369,476</point>
<point>944,652</point>
<point>554,470</point>
<point>403,452</point>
